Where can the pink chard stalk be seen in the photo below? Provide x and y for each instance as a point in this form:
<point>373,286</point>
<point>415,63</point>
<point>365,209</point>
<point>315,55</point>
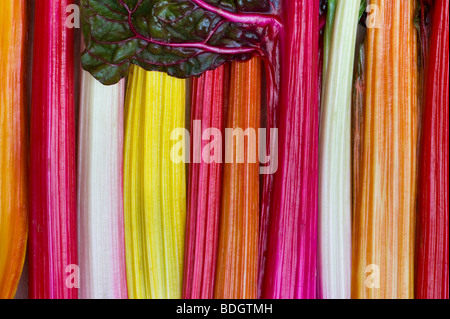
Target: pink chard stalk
<point>292,238</point>
<point>205,186</point>
<point>53,216</point>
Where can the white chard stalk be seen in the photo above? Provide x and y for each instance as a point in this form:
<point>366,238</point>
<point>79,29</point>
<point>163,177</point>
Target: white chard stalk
<point>100,191</point>
<point>335,202</point>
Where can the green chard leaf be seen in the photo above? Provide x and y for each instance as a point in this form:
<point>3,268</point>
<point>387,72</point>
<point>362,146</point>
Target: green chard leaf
<point>181,37</point>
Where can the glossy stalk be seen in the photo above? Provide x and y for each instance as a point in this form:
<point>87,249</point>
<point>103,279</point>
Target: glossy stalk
<point>53,220</point>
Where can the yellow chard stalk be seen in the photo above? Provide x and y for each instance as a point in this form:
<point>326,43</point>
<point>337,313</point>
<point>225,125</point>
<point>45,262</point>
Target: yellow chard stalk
<point>154,186</point>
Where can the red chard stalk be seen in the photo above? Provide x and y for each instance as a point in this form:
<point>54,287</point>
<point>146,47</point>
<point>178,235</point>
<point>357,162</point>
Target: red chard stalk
<point>432,280</point>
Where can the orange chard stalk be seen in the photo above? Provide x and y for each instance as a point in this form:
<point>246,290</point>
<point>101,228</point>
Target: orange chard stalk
<point>237,263</point>
<point>13,146</point>
<point>385,194</point>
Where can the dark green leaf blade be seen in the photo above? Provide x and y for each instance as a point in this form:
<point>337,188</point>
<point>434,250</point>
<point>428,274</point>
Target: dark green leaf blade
<point>181,37</point>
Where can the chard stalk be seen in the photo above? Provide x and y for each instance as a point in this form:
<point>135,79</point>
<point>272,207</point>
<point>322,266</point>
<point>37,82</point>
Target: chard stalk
<point>385,200</point>
<point>237,260</point>
<point>100,190</point>
<point>432,279</point>
<point>53,215</point>
<point>154,186</point>
<point>291,267</point>
<point>13,146</point>
<point>204,186</point>
<point>335,152</point>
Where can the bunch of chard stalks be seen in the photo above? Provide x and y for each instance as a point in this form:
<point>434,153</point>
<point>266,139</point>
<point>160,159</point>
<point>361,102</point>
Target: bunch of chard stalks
<point>13,146</point>
<point>335,151</point>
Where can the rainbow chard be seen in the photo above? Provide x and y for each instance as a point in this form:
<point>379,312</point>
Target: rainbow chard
<point>432,278</point>
<point>188,37</point>
<point>183,38</point>
<point>53,229</point>
<point>100,190</point>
